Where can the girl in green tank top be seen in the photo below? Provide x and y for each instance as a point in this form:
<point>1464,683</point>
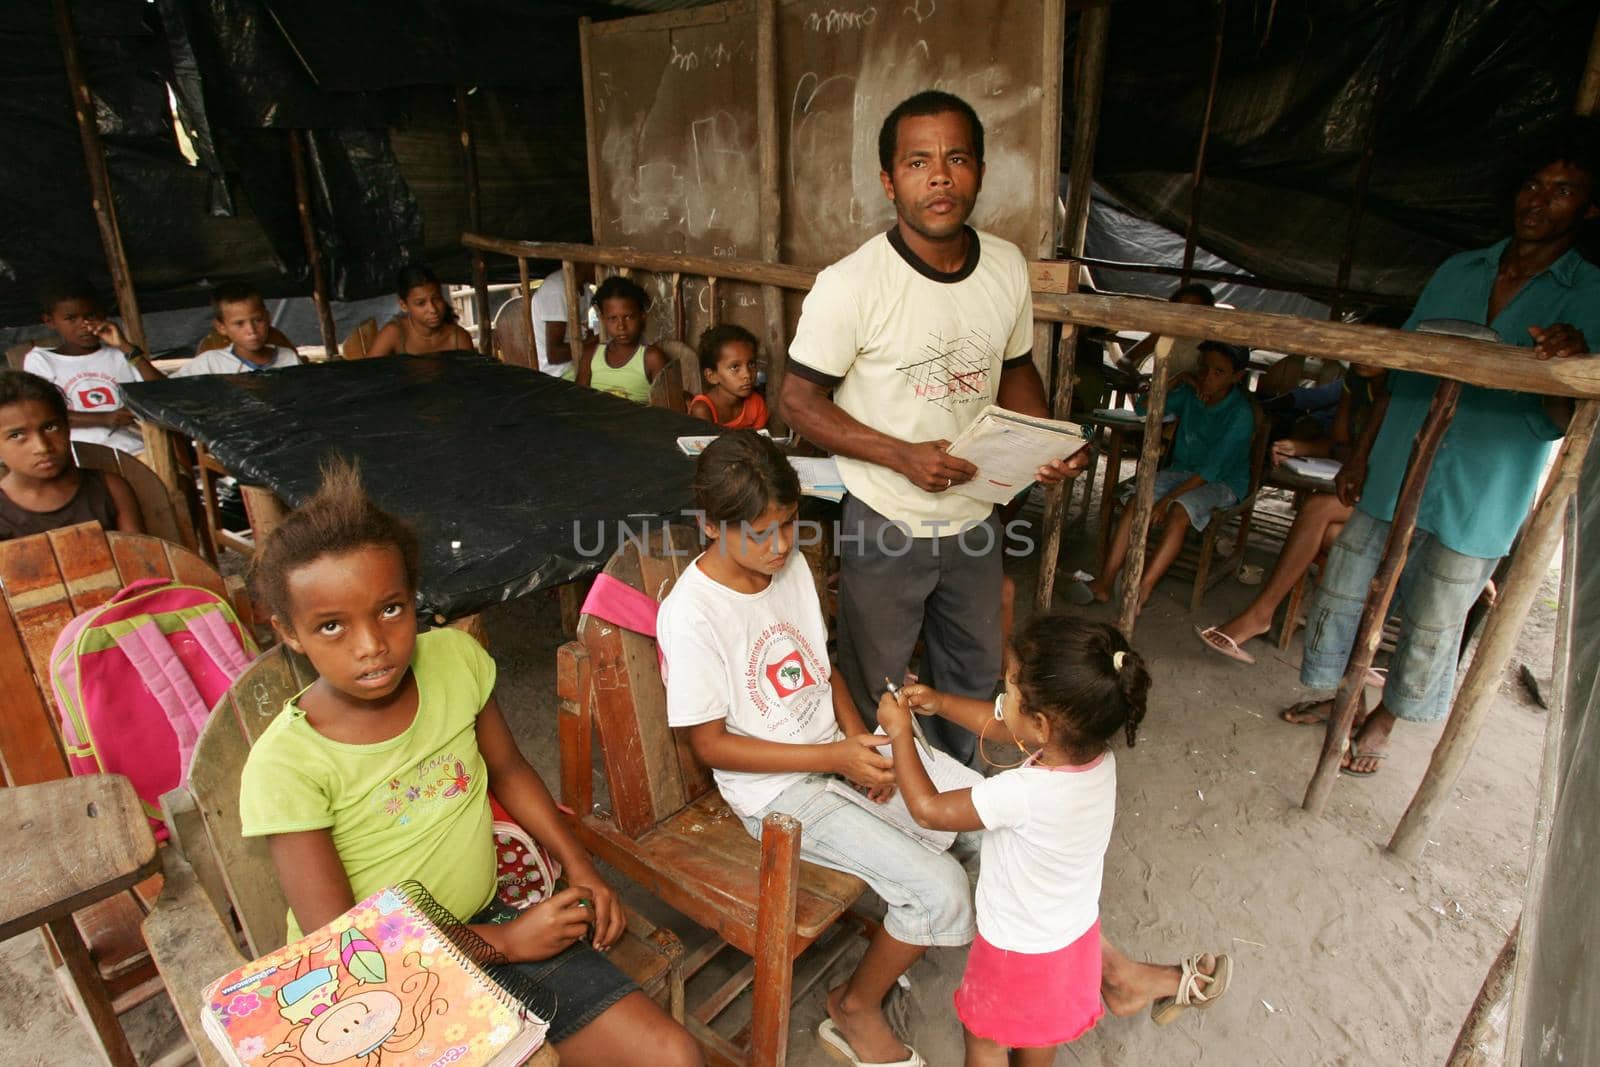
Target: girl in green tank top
<point>622,365</point>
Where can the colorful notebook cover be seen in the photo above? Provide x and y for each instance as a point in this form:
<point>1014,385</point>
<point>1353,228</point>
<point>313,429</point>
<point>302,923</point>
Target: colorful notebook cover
<point>393,980</point>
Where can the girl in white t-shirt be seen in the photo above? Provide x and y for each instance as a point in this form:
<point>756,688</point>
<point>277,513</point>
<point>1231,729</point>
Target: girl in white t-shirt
<point>1033,974</point>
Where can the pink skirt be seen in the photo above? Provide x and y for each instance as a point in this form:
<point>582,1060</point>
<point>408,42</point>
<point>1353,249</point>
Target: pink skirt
<point>1031,1000</point>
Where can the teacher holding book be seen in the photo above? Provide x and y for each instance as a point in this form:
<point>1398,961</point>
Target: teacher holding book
<point>899,347</point>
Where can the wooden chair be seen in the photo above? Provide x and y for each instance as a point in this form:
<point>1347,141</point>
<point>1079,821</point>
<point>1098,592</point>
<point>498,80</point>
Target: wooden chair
<point>19,352</point>
<point>669,830</point>
<point>359,343</point>
<point>45,580</point>
<point>217,877</point>
<point>164,517</point>
<point>512,342</point>
<point>262,506</point>
<point>218,339</point>
<point>667,390</point>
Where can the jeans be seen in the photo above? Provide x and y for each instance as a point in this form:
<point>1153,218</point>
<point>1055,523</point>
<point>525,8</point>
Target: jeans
<point>1437,589</point>
<point>929,897</point>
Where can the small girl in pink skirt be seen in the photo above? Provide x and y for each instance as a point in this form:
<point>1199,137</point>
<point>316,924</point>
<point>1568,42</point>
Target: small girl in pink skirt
<point>1033,973</point>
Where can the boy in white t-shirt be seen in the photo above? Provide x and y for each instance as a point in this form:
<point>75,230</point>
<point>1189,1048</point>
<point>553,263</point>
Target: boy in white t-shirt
<point>90,365</point>
<point>240,316</point>
<point>744,644</point>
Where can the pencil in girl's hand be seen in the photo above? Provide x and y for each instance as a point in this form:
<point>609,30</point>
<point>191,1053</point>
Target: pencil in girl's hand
<point>916,727</point>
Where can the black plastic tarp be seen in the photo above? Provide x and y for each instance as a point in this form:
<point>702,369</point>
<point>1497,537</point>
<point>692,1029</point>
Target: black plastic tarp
<point>1472,85</point>
<point>516,481</point>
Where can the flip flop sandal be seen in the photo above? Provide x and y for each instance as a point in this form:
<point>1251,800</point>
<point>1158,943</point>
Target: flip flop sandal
<point>1377,676</point>
<point>1303,708</point>
<point>835,1045</point>
<point>1078,593</point>
<point>1223,645</point>
<point>1196,989</point>
<point>1355,754</point>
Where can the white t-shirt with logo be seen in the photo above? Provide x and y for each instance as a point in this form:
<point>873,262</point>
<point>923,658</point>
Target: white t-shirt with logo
<point>758,660</point>
<point>919,354</point>
<point>550,305</point>
<point>91,382</point>
<point>223,361</point>
<point>1044,846</point>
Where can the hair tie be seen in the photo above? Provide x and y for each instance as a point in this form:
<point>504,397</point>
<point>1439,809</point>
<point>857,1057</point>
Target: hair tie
<point>1117,659</point>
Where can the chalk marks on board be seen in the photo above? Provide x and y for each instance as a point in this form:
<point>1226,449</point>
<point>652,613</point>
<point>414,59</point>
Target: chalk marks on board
<point>834,20</point>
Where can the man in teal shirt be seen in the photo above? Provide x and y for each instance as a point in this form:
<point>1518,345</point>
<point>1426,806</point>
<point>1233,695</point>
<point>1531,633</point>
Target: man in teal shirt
<point>1536,291</point>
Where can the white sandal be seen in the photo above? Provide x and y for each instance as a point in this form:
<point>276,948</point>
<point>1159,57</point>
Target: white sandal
<point>1196,989</point>
<point>835,1044</point>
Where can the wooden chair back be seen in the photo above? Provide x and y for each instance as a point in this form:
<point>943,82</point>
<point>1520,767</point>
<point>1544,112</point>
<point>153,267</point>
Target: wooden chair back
<point>359,344</point>
<point>650,770</point>
<point>236,870</point>
<point>164,516</point>
<point>19,352</point>
<point>512,342</point>
<point>218,339</point>
<point>668,391</point>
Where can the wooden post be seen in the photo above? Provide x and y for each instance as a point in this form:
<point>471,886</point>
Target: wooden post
<point>1498,640</point>
<point>676,281</point>
<point>1588,101</point>
<point>1055,500</point>
<point>1478,1041</point>
<point>1192,231</point>
<point>713,312</point>
<point>774,331</point>
<point>1089,64</point>
<point>308,235</point>
<point>1381,592</point>
<point>527,312</point>
<point>94,159</point>
<point>575,323</point>
<point>1144,491</point>
<point>1369,144</point>
<point>585,31</point>
<point>480,270</point>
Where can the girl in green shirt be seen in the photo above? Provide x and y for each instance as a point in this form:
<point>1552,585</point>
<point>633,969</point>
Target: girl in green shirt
<point>380,771</point>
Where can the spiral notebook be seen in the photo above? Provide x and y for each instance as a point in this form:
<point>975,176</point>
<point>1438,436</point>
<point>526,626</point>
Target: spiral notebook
<point>394,978</point>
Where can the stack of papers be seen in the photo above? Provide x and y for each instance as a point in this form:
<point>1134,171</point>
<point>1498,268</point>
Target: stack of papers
<point>1318,467</point>
<point>819,477</point>
<point>693,446</point>
<point>1008,449</point>
<point>1126,415</point>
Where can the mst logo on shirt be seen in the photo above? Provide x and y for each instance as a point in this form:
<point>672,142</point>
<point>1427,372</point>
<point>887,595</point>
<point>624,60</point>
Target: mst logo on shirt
<point>92,391</point>
<point>784,679</point>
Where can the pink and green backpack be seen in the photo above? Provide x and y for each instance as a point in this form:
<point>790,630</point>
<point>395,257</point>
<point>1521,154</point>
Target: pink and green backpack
<point>136,678</point>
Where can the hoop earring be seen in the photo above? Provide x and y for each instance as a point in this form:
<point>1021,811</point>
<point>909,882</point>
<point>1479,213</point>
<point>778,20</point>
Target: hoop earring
<point>1027,757</point>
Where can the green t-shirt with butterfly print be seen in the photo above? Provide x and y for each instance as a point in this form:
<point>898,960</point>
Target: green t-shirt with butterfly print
<point>414,806</point>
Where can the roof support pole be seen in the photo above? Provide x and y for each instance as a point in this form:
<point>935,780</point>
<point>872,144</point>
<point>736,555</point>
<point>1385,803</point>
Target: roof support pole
<point>1144,491</point>
<point>480,270</point>
<point>94,158</point>
<point>1089,67</point>
<point>308,235</point>
<point>1192,231</point>
<point>1380,593</point>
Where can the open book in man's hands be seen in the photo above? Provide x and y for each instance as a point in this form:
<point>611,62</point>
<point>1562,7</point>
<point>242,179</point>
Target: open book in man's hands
<point>1008,449</point>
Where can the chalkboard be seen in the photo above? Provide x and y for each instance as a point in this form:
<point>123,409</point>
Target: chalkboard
<point>676,131</point>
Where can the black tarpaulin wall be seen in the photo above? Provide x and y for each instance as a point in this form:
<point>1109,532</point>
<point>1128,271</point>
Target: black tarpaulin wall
<point>373,86</point>
<point>1473,84</point>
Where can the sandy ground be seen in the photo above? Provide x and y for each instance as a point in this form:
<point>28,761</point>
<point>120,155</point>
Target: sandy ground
<point>1342,954</point>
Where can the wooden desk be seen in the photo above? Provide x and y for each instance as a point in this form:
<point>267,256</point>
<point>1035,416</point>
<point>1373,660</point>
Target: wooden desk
<point>74,842</point>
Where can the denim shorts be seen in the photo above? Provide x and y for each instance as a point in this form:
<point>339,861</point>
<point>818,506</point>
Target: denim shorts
<point>1199,502</point>
<point>929,897</point>
<point>570,989</point>
<point>1437,589</point>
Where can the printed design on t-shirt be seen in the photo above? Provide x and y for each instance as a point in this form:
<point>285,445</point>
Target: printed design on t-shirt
<point>782,679</point>
<point>92,391</point>
<point>952,371</point>
<point>434,781</point>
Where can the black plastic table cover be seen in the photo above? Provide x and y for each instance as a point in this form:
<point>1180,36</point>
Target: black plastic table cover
<point>515,481</point>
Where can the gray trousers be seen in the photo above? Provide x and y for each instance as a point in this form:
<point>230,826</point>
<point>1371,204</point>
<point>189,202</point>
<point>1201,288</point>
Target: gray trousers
<point>894,588</point>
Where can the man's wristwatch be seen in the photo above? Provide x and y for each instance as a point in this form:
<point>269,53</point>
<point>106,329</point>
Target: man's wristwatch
<point>135,354</point>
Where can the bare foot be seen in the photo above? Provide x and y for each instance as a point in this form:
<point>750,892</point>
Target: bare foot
<point>1133,987</point>
<point>1307,712</point>
<point>1371,741</point>
<point>865,1029</point>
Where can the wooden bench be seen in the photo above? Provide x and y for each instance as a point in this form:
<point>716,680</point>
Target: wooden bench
<point>670,830</point>
<point>45,580</point>
<point>164,515</point>
<point>217,877</point>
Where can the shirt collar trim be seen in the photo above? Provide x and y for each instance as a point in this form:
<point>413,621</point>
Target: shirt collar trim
<point>916,263</point>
